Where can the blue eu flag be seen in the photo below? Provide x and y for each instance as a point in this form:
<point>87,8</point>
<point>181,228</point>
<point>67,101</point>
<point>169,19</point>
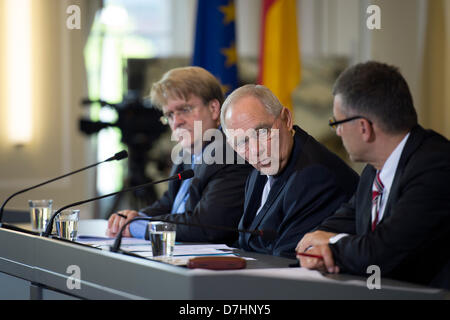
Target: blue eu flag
<point>215,41</point>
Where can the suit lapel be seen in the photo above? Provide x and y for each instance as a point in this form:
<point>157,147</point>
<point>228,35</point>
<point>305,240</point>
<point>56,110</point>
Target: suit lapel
<point>414,141</point>
<point>273,194</point>
<point>253,200</point>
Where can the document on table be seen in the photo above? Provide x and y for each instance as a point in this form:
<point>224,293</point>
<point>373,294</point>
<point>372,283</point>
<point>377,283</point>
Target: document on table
<point>91,233</point>
<point>181,255</point>
<point>185,250</point>
<point>198,249</point>
<point>144,247</point>
<point>104,241</point>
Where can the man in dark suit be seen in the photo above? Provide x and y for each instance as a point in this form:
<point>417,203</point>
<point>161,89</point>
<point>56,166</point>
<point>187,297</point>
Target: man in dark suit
<point>399,217</point>
<point>296,183</point>
<point>190,99</point>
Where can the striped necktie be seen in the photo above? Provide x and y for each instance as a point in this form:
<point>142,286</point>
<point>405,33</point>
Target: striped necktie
<point>377,193</point>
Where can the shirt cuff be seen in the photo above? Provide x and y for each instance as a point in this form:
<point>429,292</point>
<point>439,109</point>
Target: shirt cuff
<point>139,228</point>
<point>337,237</point>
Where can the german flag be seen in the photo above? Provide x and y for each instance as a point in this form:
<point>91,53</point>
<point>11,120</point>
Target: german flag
<point>279,61</point>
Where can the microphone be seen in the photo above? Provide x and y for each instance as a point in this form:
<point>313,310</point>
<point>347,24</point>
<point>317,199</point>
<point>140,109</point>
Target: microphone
<point>268,235</point>
<point>179,176</point>
<point>118,156</point>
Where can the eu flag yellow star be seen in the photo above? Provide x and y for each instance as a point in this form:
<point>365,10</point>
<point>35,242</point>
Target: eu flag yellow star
<point>230,55</point>
<point>229,12</point>
<point>225,88</point>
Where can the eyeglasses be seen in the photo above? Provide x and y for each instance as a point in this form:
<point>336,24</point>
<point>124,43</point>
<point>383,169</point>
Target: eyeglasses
<point>261,135</point>
<point>334,124</point>
<point>184,111</point>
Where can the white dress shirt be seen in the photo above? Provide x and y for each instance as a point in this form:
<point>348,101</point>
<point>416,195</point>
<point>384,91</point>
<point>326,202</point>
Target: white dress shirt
<point>387,175</point>
<point>265,192</point>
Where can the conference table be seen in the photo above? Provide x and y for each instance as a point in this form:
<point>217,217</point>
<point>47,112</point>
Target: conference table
<point>35,267</point>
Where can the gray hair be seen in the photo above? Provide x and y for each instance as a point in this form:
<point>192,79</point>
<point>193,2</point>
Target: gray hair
<point>260,92</point>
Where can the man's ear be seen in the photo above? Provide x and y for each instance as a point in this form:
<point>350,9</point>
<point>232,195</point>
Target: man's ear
<point>214,107</point>
<point>366,129</point>
<point>286,117</point>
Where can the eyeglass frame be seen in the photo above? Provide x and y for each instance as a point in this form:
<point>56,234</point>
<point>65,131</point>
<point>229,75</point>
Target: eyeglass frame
<point>333,123</point>
<point>268,130</point>
<point>184,111</point>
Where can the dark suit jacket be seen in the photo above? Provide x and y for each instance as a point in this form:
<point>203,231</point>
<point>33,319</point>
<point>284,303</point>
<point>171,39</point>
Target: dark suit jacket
<point>216,196</point>
<point>313,185</point>
<point>411,242</point>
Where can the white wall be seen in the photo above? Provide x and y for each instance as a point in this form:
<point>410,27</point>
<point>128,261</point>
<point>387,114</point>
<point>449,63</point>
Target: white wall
<point>400,40</point>
<point>56,146</point>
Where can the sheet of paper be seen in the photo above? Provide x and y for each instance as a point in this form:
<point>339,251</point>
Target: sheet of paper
<point>179,260</point>
<point>184,250</point>
<point>99,241</point>
<point>184,257</point>
<point>182,253</point>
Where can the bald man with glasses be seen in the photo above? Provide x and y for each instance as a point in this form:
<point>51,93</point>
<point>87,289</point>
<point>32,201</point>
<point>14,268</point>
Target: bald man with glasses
<point>296,182</point>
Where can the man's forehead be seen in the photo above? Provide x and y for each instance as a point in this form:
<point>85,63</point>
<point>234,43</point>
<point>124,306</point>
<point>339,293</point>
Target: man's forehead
<point>175,106</point>
<point>248,103</point>
<point>180,102</point>
<point>248,109</point>
<point>246,121</point>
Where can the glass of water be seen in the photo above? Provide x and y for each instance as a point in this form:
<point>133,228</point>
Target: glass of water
<point>162,235</point>
<point>40,213</point>
<point>66,223</point>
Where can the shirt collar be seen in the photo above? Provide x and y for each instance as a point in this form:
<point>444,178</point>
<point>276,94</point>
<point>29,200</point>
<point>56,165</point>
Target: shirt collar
<point>390,166</point>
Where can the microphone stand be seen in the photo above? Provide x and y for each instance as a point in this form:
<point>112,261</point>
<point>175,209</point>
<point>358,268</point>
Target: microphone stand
<point>49,227</point>
<point>180,176</point>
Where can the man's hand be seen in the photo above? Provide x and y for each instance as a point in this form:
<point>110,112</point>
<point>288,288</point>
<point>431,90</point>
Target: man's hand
<point>324,265</point>
<point>116,222</point>
<point>314,239</point>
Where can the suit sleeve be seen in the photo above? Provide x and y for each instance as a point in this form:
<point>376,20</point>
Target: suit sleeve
<point>221,204</point>
<point>419,223</point>
<point>342,221</point>
<point>159,207</point>
<point>310,197</point>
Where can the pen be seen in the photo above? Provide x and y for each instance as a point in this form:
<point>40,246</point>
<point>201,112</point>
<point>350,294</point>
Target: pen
<point>121,215</point>
<point>309,255</point>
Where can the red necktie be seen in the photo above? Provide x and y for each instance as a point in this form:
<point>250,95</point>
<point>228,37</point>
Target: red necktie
<point>377,192</point>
